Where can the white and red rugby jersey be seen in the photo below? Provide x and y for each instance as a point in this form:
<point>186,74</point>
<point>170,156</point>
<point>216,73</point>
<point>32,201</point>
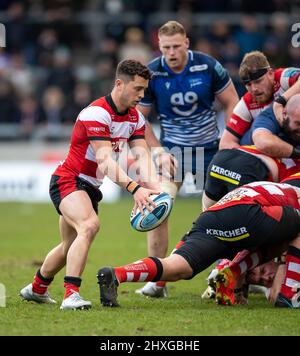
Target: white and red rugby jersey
<point>286,166</point>
<point>99,121</point>
<point>262,193</point>
<point>247,109</point>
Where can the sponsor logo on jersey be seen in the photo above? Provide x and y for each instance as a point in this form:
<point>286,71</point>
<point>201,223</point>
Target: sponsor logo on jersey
<point>225,174</point>
<point>195,82</point>
<point>132,117</point>
<point>229,235</point>
<point>198,68</point>
<point>233,121</point>
<point>96,129</point>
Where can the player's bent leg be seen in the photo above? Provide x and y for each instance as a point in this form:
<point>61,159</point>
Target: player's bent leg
<point>175,268</point>
<point>56,258</point>
<point>172,268</point>
<point>77,210</point>
<point>206,202</point>
<point>53,263</point>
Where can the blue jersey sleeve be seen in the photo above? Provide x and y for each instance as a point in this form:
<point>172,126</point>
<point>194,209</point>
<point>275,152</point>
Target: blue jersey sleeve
<point>265,120</point>
<point>221,77</point>
<point>149,95</point>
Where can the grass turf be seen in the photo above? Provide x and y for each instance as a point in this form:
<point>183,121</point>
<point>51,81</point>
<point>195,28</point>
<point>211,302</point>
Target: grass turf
<point>28,232</point>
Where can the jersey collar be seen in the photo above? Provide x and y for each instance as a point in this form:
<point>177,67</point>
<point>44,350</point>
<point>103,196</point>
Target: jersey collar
<point>113,106</point>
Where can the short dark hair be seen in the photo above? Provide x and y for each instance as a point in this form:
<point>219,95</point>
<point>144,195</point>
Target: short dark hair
<point>131,67</point>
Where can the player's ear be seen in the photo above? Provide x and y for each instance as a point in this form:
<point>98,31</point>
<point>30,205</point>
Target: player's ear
<point>187,42</point>
<point>119,83</point>
<point>271,73</point>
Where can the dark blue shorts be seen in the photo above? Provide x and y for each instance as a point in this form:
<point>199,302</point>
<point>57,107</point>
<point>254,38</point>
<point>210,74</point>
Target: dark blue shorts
<point>192,159</point>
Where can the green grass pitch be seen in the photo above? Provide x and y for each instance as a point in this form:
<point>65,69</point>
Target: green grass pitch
<point>28,232</point>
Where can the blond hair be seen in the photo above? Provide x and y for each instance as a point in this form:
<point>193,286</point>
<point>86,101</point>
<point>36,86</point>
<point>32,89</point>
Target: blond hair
<point>171,28</point>
<point>251,62</point>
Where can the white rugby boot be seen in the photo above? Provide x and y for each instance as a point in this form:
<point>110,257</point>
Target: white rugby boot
<point>74,302</point>
<point>27,294</point>
<point>150,289</point>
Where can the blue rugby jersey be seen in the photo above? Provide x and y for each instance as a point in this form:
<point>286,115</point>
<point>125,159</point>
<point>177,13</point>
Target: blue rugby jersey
<point>266,120</point>
<point>184,101</point>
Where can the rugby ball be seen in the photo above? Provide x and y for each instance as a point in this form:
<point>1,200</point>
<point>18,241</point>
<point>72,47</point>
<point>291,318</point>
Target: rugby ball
<point>150,220</point>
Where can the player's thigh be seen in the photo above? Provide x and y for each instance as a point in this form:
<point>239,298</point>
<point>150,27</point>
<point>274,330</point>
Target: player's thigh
<point>201,250</point>
<point>77,209</point>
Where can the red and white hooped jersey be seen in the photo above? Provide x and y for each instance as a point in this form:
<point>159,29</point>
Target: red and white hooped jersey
<point>286,166</point>
<point>247,109</point>
<point>99,121</point>
<point>262,193</point>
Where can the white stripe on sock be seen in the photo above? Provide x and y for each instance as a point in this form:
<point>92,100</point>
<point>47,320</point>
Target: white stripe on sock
<point>243,267</point>
<point>143,276</point>
<point>290,282</point>
<point>294,267</point>
<point>129,276</point>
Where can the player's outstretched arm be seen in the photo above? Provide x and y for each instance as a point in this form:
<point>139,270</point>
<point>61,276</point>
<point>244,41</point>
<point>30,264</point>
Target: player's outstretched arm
<point>110,168</point>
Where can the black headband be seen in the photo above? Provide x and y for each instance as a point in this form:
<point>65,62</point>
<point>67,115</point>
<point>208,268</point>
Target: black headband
<point>254,75</point>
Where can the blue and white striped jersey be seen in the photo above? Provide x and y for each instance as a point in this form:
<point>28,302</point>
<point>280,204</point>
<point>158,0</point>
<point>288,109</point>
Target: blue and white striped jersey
<point>184,101</point>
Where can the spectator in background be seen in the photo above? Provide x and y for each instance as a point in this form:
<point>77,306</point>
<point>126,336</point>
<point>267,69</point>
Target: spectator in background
<point>28,116</point>
<point>52,112</point>
<point>4,62</point>
<point>249,37</point>
<point>8,105</point>
<point>61,75</point>
<point>16,27</point>
<point>81,98</point>
<point>205,46</point>
<point>20,75</point>
<point>277,38</point>
<point>108,48</point>
<point>134,46</point>
<point>102,81</point>
<point>47,43</point>
<point>294,56</point>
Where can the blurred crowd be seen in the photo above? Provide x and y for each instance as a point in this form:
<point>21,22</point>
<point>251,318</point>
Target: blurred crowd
<point>61,54</point>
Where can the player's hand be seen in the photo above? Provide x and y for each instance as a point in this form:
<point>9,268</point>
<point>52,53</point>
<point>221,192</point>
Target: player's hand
<point>167,164</point>
<point>278,112</point>
<point>142,199</point>
<point>239,298</point>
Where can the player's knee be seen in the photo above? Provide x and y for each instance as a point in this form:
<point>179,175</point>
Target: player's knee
<point>176,268</point>
<point>90,228</point>
<point>169,187</point>
<point>206,202</point>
